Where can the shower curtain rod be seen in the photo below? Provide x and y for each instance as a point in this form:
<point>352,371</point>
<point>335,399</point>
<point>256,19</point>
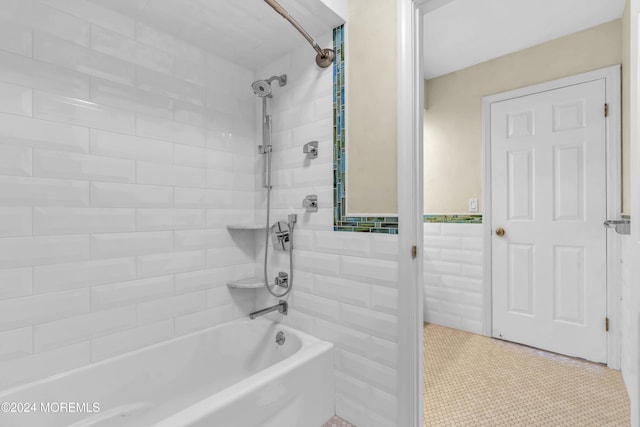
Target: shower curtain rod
<point>325,56</point>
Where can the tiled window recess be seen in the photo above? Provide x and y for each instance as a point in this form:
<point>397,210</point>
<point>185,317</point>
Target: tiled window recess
<point>344,284</point>
<point>124,153</point>
<point>453,257</point>
<point>341,221</point>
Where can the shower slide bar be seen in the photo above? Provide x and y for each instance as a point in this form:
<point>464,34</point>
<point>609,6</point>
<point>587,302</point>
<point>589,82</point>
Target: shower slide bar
<point>325,56</point>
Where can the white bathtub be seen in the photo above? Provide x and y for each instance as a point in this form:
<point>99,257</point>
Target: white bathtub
<point>232,375</point>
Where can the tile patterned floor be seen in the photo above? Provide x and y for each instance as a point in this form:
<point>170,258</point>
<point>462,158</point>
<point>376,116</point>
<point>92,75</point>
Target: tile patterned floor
<point>336,421</point>
<point>471,380</point>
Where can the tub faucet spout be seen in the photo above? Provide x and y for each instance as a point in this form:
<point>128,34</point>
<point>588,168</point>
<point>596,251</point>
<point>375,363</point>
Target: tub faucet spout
<point>282,307</point>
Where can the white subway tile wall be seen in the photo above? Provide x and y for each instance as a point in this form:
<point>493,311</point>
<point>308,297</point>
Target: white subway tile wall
<point>453,272</point>
<point>345,284</point>
<point>125,152</point>
<point>113,208</point>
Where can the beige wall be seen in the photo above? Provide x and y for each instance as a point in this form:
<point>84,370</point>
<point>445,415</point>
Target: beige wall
<point>372,107</point>
<point>453,116</point>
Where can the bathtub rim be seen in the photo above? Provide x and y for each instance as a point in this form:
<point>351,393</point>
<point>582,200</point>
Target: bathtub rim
<point>305,339</point>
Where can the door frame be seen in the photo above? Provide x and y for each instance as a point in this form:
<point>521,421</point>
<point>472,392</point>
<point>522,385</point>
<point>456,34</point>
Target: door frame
<point>632,306</point>
<point>410,210</point>
<point>611,75</point>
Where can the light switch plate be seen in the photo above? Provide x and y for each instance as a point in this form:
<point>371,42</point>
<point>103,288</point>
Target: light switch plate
<point>473,205</point>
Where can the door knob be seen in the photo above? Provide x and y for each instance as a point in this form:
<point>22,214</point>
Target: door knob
<point>500,231</point>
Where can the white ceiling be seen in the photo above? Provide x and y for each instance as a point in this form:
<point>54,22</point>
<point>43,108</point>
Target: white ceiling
<point>247,32</point>
<point>461,33</point>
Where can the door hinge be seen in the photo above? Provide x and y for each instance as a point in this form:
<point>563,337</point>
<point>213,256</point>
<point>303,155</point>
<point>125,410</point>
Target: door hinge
<point>606,110</point>
<point>606,324</point>
<point>414,251</point>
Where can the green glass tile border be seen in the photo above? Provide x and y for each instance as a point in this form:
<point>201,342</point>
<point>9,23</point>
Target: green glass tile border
<point>454,219</point>
<point>342,222</point>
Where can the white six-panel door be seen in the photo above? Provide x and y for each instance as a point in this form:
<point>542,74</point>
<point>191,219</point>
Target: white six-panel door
<point>548,186</point>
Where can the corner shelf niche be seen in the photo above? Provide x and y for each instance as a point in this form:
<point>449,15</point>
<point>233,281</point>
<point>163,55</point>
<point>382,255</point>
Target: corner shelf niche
<point>250,283</point>
<point>233,227</point>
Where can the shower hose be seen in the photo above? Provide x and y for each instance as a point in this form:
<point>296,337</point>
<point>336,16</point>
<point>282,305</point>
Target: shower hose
<point>272,290</point>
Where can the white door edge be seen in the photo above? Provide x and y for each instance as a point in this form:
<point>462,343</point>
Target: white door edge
<point>611,75</point>
<point>410,213</point>
<point>631,346</point>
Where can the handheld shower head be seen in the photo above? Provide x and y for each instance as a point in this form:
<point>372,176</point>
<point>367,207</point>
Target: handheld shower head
<point>262,88</point>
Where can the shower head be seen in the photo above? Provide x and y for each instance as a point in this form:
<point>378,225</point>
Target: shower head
<point>262,88</point>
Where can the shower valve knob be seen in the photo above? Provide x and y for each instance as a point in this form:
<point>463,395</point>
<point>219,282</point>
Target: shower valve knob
<point>282,279</point>
<point>311,149</point>
<point>310,203</point>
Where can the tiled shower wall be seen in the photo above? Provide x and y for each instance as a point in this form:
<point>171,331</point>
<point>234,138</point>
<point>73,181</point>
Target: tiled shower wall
<point>453,271</point>
<point>123,153</point>
<point>345,284</point>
